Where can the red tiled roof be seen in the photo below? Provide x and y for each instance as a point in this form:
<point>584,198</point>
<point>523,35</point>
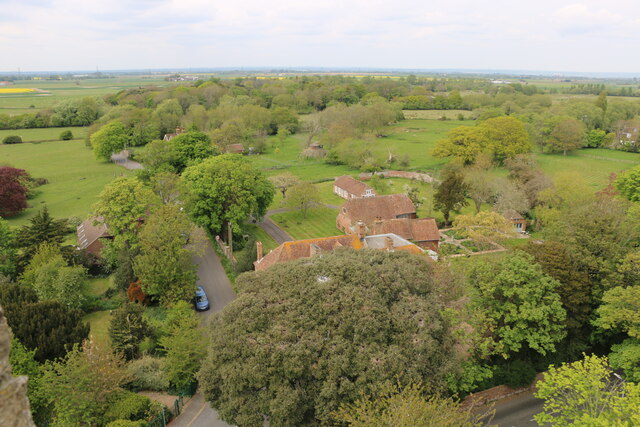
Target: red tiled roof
<point>352,185</point>
<point>235,148</point>
<point>289,251</point>
<point>418,230</point>
<point>370,209</point>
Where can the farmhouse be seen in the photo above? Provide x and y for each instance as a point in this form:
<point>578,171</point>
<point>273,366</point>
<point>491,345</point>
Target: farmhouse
<point>350,188</point>
<point>516,219</point>
<point>289,251</point>
<point>168,136</point>
<point>90,236</point>
<point>371,209</point>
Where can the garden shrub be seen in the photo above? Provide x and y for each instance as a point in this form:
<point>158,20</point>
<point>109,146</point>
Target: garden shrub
<point>129,406</point>
<point>126,423</point>
<point>66,135</point>
<point>12,139</point>
<point>516,373</point>
<point>148,374</point>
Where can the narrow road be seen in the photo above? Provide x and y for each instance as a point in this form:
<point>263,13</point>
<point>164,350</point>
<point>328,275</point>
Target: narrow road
<point>122,159</point>
<point>277,233</point>
<point>517,412</point>
<point>211,276</point>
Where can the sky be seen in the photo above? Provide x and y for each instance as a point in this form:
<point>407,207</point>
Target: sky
<point>541,35</point>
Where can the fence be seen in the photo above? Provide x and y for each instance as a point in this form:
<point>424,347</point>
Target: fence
<point>226,250</point>
<point>162,418</point>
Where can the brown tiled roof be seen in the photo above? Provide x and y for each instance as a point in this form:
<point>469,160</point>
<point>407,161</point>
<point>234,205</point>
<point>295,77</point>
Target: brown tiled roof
<point>369,209</point>
<point>235,148</point>
<point>512,214</point>
<point>289,251</point>
<point>88,233</point>
<point>418,230</point>
<point>352,185</point>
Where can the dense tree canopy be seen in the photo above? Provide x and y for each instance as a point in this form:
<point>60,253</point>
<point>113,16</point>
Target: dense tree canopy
<point>227,189</point>
<point>518,305</point>
<point>304,337</point>
<point>450,193</point>
<point>191,147</point>
<point>628,184</point>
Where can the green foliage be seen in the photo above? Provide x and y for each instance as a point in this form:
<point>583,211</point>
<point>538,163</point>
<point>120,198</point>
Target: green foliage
<point>303,197</point>
<point>304,337</point>
<point>122,204</point>
<point>23,363</point>
<point>66,135</point>
<point>450,193</point>
<point>191,148</point>
<point>128,406</point>
<point>245,259</point>
<point>164,265</point>
<point>48,327</point>
<point>7,249</point>
<point>584,393</point>
<point>52,279</point>
<point>628,184</point>
<point>621,309</point>
<point>184,345</point>
<point>80,386</point>
<point>595,138</point>
<point>127,329</point>
<point>500,137</point>
<point>518,306</point>
<point>567,135</point>
<point>123,276</point>
<point>42,228</point>
<point>126,423</point>
<point>626,356</point>
<point>12,139</point>
<point>410,406</point>
<point>148,374</point>
<point>111,138</point>
<point>515,373</point>
<point>227,189</point>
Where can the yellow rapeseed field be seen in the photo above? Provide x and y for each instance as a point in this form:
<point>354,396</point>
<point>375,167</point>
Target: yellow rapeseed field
<point>12,90</point>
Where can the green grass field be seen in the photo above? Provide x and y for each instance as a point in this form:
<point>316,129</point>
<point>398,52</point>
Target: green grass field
<point>53,91</point>
<point>44,134</point>
<point>99,324</point>
<point>320,222</point>
<point>437,114</point>
<point>75,177</point>
<point>98,286</point>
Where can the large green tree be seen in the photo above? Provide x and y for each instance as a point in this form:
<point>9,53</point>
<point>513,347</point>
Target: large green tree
<point>81,386</point>
<point>303,197</point>
<point>191,147</point>
<point>164,266</point>
<point>42,228</point>
<point>47,327</point>
<point>567,135</point>
<point>585,393</point>
<point>111,138</point>
<point>628,184</point>
<point>227,189</point>
<point>7,250</point>
<point>518,306</point>
<point>304,337</point>
<point>183,342</point>
<point>52,279</point>
<point>123,205</point>
<point>127,329</point>
<point>450,193</point>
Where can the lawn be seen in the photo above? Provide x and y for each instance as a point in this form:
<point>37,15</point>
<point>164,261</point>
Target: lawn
<point>44,134</point>
<point>437,114</point>
<point>594,165</point>
<point>260,235</point>
<point>75,177</point>
<point>99,323</point>
<point>99,285</point>
<point>320,222</point>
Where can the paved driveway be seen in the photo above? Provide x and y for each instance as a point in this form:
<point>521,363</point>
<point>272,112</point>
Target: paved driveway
<point>211,276</point>
<point>518,411</point>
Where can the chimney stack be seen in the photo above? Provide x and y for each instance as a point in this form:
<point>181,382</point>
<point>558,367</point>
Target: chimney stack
<point>388,243</point>
<point>361,230</point>
<point>177,130</point>
<point>259,250</point>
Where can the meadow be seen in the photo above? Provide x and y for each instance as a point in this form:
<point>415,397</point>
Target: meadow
<point>320,222</point>
<point>75,176</point>
<point>43,134</point>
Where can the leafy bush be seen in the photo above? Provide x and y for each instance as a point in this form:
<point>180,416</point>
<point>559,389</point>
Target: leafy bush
<point>12,139</point>
<point>449,249</point>
<point>516,373</point>
<point>129,406</point>
<point>476,246</point>
<point>148,374</point>
<point>66,135</point>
